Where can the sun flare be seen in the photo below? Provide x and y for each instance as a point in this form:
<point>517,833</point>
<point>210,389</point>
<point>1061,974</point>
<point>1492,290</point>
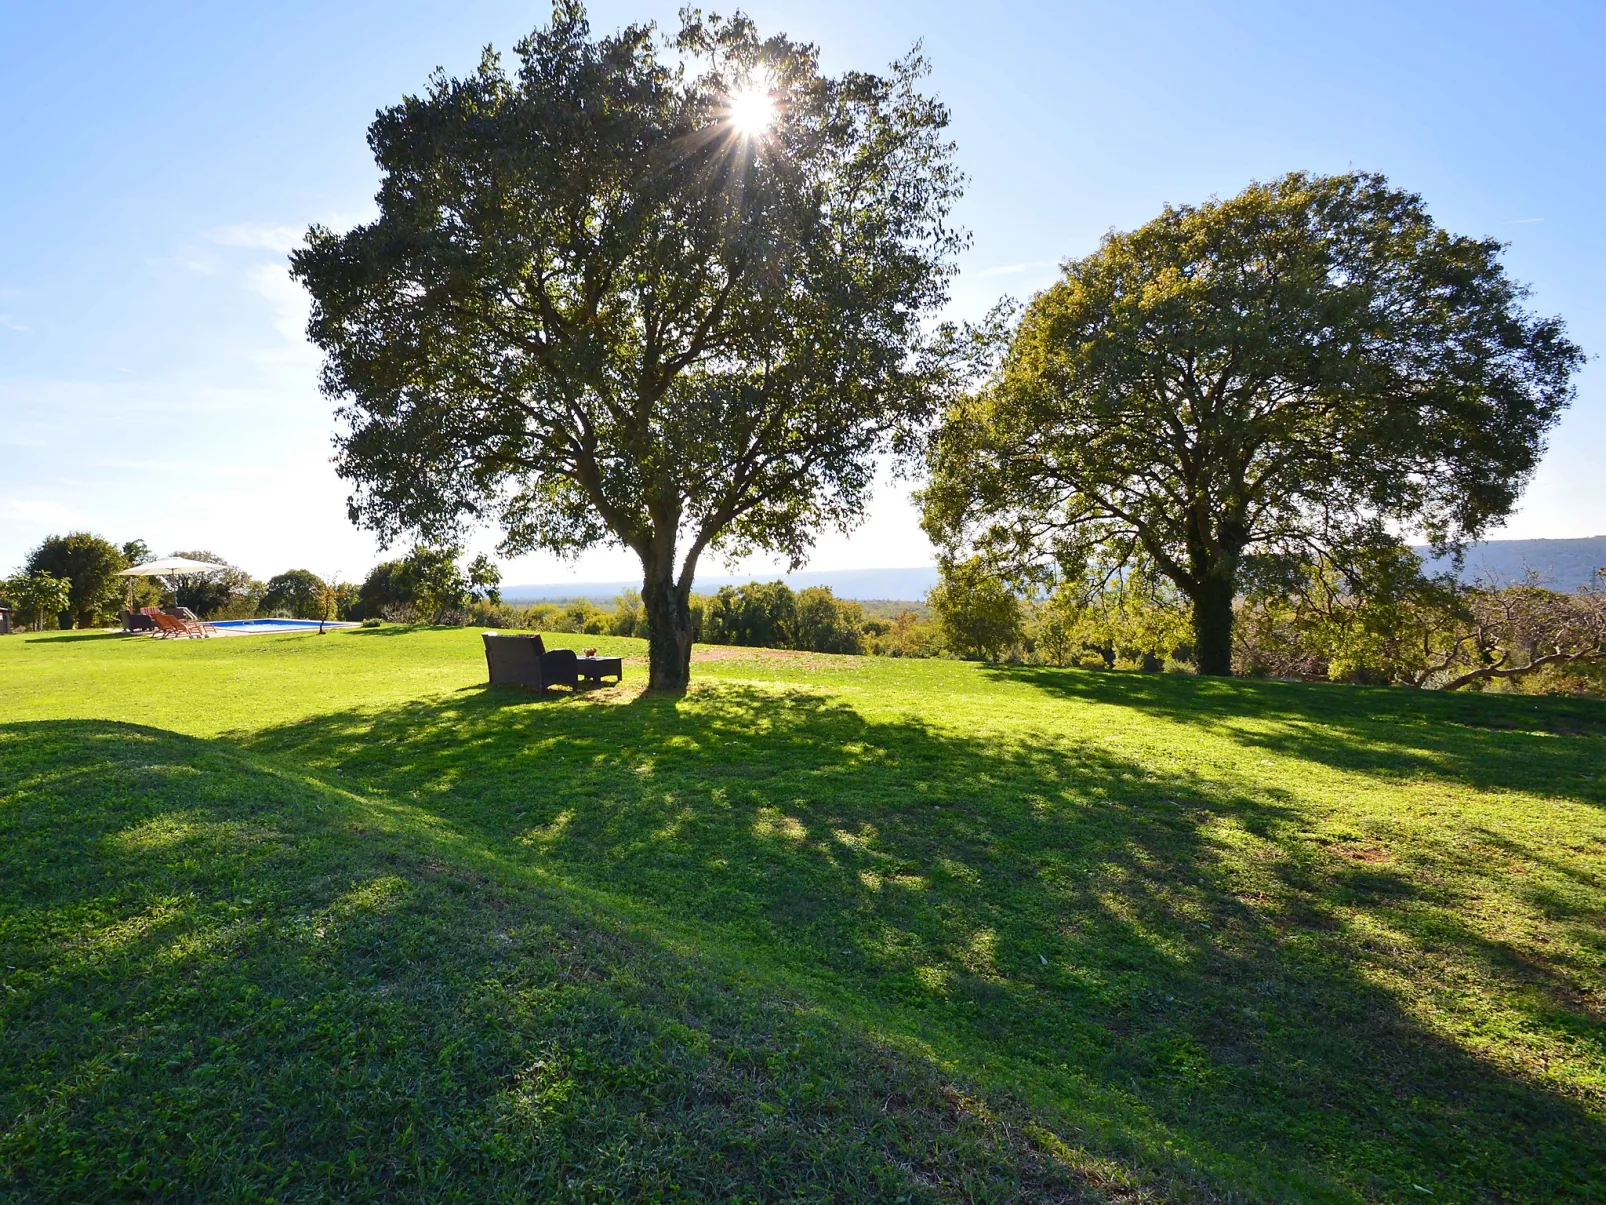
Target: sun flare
<point>752,110</point>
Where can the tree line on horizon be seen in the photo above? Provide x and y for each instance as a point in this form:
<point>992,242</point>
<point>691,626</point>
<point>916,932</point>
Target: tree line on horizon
<point>74,580</point>
<point>1395,627</point>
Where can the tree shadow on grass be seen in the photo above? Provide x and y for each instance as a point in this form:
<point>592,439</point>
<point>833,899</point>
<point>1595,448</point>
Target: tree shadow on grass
<point>1523,743</point>
<point>1169,969</point>
<point>74,637</point>
<point>227,980</point>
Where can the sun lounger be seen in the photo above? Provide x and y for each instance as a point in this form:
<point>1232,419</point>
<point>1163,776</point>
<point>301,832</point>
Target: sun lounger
<point>525,661</point>
<point>172,625</point>
<point>188,617</point>
<point>166,625</point>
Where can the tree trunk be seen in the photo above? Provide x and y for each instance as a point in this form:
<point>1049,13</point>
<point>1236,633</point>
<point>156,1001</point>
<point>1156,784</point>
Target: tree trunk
<point>1212,581</point>
<point>1212,625</point>
<point>669,632</point>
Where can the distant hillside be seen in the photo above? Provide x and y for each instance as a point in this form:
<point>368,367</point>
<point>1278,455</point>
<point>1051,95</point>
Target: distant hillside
<point>893,584</point>
<point>1561,564</point>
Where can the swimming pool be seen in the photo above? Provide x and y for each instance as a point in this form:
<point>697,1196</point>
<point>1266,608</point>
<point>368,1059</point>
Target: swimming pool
<point>257,627</point>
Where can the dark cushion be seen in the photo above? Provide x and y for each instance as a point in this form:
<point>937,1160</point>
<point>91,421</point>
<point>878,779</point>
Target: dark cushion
<point>560,667</point>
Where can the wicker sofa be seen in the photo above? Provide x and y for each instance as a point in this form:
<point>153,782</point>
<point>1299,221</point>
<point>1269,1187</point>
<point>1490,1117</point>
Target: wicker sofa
<point>525,661</point>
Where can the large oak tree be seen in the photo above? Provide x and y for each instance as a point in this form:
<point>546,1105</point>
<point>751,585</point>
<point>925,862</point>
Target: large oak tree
<point>1310,367</point>
<point>674,295</point>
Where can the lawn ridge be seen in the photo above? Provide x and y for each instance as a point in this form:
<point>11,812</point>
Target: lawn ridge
<point>1092,935</point>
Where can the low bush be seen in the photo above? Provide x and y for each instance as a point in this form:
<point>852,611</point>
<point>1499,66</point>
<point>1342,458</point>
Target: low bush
<point>428,586</point>
<point>772,615</point>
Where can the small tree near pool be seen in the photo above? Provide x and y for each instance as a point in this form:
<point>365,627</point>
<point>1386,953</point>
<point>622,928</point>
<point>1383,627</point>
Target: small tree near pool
<point>38,596</point>
<point>667,294</point>
<point>228,592</point>
<point>296,592</point>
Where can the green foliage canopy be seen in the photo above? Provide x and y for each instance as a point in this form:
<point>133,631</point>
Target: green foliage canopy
<point>140,591</point>
<point>823,623</point>
<point>1307,367</point>
<point>427,584</point>
<point>977,614</point>
<point>90,564</point>
<point>300,592</point>
<point>1128,620</point>
<point>773,615</point>
<point>38,596</point>
<point>757,614</point>
<point>594,307</point>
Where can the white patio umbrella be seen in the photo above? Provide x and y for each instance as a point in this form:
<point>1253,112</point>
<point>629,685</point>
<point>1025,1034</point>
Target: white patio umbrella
<point>165,566</point>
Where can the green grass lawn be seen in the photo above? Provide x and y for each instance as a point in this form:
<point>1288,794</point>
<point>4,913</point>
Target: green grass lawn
<point>308,918</point>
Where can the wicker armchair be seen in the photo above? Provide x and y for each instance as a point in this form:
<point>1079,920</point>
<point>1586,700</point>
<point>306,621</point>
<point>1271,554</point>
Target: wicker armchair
<point>138,621</point>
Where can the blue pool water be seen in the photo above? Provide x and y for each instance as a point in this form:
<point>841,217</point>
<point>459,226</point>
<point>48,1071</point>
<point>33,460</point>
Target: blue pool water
<point>255,626</point>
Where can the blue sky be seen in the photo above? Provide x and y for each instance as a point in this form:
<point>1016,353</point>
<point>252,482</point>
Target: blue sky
<point>157,161</point>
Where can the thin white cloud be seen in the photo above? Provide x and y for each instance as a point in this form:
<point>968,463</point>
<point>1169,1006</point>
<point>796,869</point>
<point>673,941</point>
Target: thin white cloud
<point>290,307</point>
<point>189,468</point>
<point>11,324</point>
<point>260,237</point>
<point>32,510</point>
<point>1524,221</point>
<point>1016,269</point>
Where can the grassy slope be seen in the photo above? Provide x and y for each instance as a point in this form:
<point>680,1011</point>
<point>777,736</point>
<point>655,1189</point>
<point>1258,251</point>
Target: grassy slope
<point>300,916</point>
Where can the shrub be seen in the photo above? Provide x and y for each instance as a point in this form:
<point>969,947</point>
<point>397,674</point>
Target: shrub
<point>823,623</point>
<point>978,615</point>
<point>771,615</point>
<point>758,615</point>
<point>1135,621</point>
<point>428,586</point>
<point>485,614</point>
<point>628,617</point>
<point>226,593</point>
<point>908,635</point>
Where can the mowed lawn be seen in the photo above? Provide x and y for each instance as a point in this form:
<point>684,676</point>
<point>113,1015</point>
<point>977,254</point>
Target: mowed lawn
<point>310,918</point>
